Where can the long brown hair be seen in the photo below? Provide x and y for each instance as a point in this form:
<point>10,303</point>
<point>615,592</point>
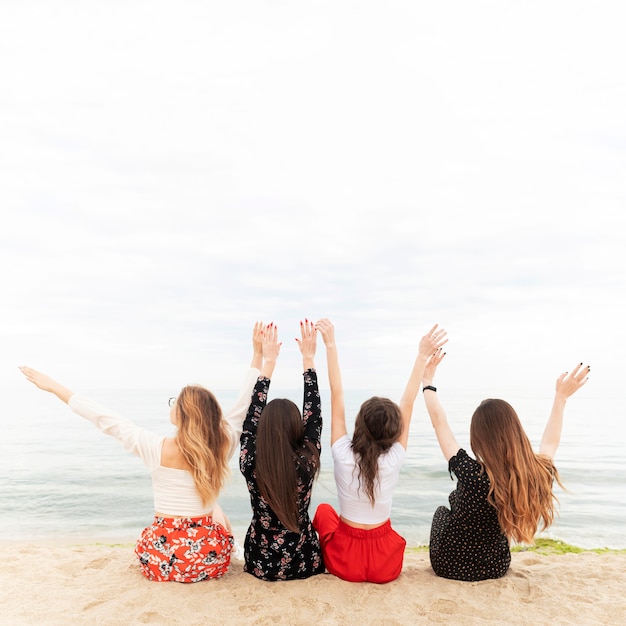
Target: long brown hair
<point>377,426</point>
<point>520,480</point>
<point>203,440</point>
<point>280,446</point>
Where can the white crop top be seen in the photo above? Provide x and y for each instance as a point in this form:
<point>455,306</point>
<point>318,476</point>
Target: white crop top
<point>354,504</point>
<point>174,490</point>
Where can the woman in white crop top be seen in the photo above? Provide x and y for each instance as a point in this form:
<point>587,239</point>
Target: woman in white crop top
<point>190,538</point>
<point>359,544</point>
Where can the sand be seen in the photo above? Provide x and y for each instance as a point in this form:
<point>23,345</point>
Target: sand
<point>101,584</point>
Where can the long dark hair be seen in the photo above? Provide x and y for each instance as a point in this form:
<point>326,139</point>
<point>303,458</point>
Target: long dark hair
<point>280,448</point>
<point>520,481</point>
<point>378,425</point>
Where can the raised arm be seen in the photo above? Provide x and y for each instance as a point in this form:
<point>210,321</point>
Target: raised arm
<point>566,385</point>
<point>271,349</point>
<point>138,441</point>
<point>257,346</point>
<point>337,405</point>
<point>429,344</point>
<point>235,415</point>
<point>46,383</point>
<point>445,436</point>
<point>311,405</point>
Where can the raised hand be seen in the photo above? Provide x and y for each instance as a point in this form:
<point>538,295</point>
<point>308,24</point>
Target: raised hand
<point>257,345</point>
<point>307,343</point>
<point>431,366</point>
<point>432,341</point>
<point>327,330</point>
<point>271,345</point>
<point>566,384</point>
<point>45,383</point>
<point>337,405</point>
<point>257,338</point>
<point>38,379</point>
<point>569,383</point>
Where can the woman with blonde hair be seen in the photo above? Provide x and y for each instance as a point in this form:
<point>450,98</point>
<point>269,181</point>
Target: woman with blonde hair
<point>280,458</point>
<point>190,538</point>
<point>358,543</point>
<point>506,494</point>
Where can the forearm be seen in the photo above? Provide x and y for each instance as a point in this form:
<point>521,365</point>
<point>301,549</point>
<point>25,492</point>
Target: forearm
<point>235,415</point>
<point>435,410</point>
<point>62,393</point>
<point>268,368</point>
<point>552,433</point>
<point>445,437</point>
<point>337,406</point>
<point>412,387</point>
<point>258,401</point>
<point>334,372</point>
<point>257,360</point>
<point>312,408</point>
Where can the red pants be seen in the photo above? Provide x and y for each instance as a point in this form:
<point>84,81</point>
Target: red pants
<point>355,554</point>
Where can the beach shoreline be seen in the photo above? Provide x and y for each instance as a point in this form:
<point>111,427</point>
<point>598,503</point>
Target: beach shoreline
<point>100,583</point>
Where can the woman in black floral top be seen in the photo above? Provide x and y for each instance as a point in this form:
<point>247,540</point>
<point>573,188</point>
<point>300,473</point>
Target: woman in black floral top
<point>281,543</point>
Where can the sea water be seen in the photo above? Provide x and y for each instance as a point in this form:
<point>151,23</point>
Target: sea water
<point>60,478</point>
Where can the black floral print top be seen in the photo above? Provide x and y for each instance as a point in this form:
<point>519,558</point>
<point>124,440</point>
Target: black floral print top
<point>466,541</point>
<point>273,552</point>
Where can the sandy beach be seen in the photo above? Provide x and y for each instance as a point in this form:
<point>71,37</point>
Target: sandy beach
<point>94,583</point>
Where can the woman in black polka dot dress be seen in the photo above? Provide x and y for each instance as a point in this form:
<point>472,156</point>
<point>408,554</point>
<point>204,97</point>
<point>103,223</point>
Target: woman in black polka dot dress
<point>501,496</point>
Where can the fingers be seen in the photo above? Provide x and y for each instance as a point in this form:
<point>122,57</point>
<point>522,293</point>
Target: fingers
<point>326,328</point>
<point>324,325</point>
<point>437,356</point>
<point>270,332</point>
<point>580,373</point>
<point>432,341</point>
<point>433,330</point>
<point>436,334</point>
<point>441,339</point>
<point>307,328</point>
<point>271,345</point>
<point>257,337</point>
<point>29,372</point>
<point>308,336</point>
<point>569,382</point>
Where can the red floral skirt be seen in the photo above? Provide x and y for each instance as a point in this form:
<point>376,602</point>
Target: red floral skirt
<point>184,549</point>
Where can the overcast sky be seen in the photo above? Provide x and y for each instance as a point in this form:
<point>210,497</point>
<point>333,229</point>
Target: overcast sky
<point>174,171</point>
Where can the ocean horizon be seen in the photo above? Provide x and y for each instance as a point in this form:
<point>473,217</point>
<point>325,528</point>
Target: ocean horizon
<point>62,478</point>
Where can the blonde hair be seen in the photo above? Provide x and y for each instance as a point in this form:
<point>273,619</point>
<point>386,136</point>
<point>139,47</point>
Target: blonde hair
<point>520,480</point>
<point>203,440</point>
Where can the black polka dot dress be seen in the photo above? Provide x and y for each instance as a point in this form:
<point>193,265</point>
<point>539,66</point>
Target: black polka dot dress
<point>466,541</point>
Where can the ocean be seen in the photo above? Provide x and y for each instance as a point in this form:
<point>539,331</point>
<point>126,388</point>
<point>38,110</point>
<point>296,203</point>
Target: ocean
<point>63,479</point>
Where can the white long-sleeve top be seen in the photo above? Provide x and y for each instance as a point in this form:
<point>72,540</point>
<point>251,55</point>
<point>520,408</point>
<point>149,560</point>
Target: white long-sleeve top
<point>174,490</point>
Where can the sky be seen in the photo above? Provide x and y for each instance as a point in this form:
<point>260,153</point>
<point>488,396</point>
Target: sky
<point>174,171</point>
